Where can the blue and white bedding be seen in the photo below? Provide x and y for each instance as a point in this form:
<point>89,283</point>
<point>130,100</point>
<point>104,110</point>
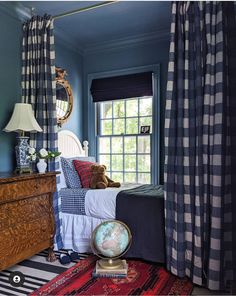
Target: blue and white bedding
<point>97,203</point>
<point>82,211</point>
<point>73,200</point>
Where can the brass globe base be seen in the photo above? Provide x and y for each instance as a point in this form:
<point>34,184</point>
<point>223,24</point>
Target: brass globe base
<point>110,264</point>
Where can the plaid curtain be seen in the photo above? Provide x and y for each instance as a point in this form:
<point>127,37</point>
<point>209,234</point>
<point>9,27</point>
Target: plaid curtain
<point>198,205</point>
<point>39,89</point>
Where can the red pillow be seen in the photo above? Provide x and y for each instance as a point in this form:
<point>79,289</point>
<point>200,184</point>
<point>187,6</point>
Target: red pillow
<point>83,169</point>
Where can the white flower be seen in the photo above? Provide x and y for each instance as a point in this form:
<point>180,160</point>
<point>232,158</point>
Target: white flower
<point>33,157</point>
<point>43,152</point>
<point>31,150</point>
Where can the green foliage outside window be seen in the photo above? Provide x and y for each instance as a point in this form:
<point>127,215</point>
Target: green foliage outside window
<point>122,148</point>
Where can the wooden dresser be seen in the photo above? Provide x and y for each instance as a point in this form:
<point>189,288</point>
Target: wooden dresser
<point>26,216</point>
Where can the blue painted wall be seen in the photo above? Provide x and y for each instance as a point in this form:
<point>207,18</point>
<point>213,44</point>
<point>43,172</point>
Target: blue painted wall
<point>134,56</point>
<point>10,76</point>
<point>10,83</point>
<point>78,68</point>
<point>73,63</point>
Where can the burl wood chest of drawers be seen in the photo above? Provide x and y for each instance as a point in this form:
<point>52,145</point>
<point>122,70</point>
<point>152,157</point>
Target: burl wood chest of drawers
<point>26,216</point>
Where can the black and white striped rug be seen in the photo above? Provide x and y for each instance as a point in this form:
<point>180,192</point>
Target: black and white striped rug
<point>37,272</point>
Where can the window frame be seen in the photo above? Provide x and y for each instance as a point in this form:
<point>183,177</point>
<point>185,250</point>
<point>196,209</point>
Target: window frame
<point>92,118</point>
<point>125,135</point>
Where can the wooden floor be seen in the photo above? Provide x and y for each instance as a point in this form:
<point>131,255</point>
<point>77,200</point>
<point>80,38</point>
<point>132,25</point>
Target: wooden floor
<point>202,291</point>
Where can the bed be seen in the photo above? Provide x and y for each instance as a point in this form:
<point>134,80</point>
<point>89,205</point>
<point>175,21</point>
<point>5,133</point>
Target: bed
<point>84,209</point>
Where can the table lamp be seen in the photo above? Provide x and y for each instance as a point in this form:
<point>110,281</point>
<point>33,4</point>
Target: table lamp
<point>22,120</point>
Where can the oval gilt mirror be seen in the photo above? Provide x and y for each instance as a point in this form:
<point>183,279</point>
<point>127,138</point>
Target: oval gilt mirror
<point>64,102</point>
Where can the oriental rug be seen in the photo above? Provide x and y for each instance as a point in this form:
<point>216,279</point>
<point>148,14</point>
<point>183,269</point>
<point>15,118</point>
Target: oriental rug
<point>143,279</point>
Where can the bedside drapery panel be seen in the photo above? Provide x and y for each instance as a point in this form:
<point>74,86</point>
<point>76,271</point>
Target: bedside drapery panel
<point>39,89</point>
<point>198,160</point>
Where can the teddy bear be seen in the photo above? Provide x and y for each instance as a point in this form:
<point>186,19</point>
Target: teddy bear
<point>99,180</point>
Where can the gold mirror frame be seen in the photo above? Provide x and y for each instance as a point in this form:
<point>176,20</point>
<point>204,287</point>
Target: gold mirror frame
<point>60,79</point>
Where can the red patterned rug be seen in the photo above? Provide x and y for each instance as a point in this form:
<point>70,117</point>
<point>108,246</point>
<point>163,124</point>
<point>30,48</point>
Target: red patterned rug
<point>143,279</point>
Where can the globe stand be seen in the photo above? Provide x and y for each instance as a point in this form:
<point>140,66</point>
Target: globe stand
<point>106,243</point>
<point>110,263</point>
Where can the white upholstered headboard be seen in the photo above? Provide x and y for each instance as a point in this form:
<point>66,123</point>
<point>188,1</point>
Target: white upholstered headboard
<point>69,145</point>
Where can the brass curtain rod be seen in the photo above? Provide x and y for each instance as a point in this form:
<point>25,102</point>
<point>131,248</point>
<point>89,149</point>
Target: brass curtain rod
<point>84,9</point>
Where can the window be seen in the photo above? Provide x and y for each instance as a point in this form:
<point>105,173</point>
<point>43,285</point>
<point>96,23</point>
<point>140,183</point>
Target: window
<point>121,146</point>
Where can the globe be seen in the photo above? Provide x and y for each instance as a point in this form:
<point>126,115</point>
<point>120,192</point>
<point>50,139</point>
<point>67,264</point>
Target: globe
<point>110,240</point>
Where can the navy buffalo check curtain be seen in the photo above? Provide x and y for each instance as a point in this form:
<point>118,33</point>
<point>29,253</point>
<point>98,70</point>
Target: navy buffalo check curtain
<point>39,89</point>
<point>198,147</point>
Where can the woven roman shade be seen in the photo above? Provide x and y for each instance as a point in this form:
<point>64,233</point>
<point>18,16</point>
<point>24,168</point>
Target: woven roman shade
<point>122,87</point>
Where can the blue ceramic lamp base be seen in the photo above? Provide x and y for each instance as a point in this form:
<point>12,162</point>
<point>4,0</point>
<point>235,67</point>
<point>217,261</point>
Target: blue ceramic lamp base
<point>22,161</point>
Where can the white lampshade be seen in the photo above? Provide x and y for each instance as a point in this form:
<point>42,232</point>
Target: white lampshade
<point>23,119</point>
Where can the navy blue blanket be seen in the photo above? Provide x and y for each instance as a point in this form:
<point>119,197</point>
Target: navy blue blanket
<point>142,209</point>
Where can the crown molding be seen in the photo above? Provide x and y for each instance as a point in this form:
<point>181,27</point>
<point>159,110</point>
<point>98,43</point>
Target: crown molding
<point>15,10</point>
<point>117,44</point>
<point>67,41</point>
<point>21,13</point>
<point>126,42</point>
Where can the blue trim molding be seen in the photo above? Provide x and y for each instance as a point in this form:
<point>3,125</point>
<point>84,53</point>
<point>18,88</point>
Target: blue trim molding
<point>92,124</point>
<point>131,41</point>
<point>16,10</point>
